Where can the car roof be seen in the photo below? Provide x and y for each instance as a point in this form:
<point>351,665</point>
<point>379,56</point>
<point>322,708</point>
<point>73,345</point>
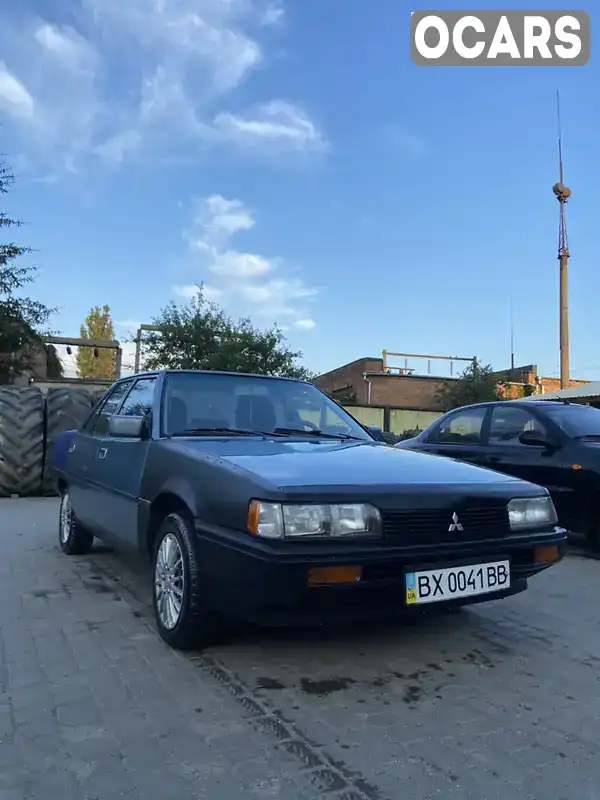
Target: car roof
<point>525,403</point>
<point>153,373</point>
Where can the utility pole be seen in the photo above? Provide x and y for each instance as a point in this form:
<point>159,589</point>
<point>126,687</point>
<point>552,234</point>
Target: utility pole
<point>138,343</point>
<point>563,194</point>
<point>512,333</point>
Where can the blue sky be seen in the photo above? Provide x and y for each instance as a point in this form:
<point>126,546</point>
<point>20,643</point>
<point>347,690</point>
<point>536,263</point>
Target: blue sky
<point>293,158</point>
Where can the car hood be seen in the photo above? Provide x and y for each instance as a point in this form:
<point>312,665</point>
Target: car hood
<point>292,463</point>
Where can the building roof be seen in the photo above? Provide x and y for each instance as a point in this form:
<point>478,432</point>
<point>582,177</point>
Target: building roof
<point>576,393</point>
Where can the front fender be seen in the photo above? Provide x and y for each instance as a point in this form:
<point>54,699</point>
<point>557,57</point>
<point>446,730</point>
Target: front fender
<point>182,488</point>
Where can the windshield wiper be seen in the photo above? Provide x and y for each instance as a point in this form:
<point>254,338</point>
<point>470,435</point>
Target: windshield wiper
<point>210,431</point>
<point>594,436</point>
<point>321,434</point>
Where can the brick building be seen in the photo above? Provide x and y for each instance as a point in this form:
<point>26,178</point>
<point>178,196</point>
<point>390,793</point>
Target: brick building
<point>366,381</point>
<point>528,374</point>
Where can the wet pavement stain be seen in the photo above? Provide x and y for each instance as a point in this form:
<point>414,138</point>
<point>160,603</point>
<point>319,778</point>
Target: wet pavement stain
<point>270,684</point>
<point>381,681</point>
<point>324,687</point>
<point>479,659</point>
<point>412,694</point>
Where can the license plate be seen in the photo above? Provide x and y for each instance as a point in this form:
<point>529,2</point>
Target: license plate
<point>438,585</point>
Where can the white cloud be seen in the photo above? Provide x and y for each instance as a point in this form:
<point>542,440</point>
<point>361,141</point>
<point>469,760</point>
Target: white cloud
<point>143,75</point>
<point>248,282</point>
<point>14,97</point>
<point>114,150</point>
<point>273,14</point>
<point>67,46</point>
<point>279,124</point>
<point>240,265</point>
<point>305,324</point>
<point>217,217</point>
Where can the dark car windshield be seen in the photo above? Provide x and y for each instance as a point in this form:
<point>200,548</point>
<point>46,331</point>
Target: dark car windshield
<point>574,420</point>
<point>196,401</point>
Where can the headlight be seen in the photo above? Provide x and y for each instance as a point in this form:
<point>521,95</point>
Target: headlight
<point>531,512</point>
<point>279,521</point>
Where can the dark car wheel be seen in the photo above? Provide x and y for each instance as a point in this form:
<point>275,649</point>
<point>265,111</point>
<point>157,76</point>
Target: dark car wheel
<point>74,540</point>
<point>184,618</point>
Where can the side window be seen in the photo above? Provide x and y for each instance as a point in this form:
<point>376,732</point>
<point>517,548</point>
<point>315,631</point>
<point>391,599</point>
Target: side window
<point>508,423</point>
<point>99,423</point>
<point>464,427</point>
<point>139,401</point>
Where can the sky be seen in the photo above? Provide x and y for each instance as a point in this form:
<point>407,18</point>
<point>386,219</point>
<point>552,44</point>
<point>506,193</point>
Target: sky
<point>291,157</point>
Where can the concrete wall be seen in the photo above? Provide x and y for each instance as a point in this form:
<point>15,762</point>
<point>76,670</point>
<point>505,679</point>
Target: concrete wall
<point>393,420</point>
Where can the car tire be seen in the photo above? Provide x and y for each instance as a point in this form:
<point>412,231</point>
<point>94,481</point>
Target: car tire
<point>183,615</point>
<point>74,539</point>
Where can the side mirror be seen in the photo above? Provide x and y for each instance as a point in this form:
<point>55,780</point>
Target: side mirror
<point>536,439</point>
<point>127,427</point>
<point>376,432</point>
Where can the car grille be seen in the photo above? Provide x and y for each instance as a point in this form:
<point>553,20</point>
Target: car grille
<point>424,526</point>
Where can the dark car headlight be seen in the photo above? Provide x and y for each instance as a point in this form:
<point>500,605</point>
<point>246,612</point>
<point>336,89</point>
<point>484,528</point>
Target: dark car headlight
<point>305,520</point>
<point>531,512</point>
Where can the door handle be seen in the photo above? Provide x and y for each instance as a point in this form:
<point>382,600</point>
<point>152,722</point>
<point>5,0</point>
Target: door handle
<point>102,453</point>
<point>494,459</point>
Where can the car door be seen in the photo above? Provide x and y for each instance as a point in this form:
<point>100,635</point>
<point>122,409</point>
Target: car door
<point>459,435</point>
<point>83,458</point>
<point>120,467</point>
<point>505,453</point>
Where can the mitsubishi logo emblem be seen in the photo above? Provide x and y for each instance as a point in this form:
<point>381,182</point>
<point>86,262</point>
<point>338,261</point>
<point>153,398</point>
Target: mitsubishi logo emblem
<point>455,524</point>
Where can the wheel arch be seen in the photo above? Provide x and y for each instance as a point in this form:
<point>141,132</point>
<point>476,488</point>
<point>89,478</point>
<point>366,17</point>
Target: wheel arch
<point>167,502</point>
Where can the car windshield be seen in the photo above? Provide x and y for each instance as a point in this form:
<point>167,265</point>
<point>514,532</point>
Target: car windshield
<point>573,419</point>
<point>222,403</point>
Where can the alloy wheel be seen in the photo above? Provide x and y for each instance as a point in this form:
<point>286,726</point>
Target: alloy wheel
<point>66,518</point>
<point>169,581</point>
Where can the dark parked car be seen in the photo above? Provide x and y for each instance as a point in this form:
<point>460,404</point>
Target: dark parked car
<point>551,443</point>
<point>261,499</point>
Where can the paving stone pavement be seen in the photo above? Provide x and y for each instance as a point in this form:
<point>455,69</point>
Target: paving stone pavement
<point>500,701</point>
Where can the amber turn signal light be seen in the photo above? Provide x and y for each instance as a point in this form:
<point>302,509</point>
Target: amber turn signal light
<point>322,576</point>
<point>253,515</point>
<point>546,555</point>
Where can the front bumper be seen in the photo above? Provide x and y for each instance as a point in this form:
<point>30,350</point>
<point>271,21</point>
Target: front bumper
<point>266,582</point>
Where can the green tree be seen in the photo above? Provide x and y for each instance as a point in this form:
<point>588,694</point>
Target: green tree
<point>22,320</point>
<point>476,384</point>
<point>200,335</point>
<point>97,363</point>
<point>343,396</point>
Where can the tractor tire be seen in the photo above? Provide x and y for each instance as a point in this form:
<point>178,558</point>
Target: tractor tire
<point>96,395</point>
<point>21,441</point>
<point>66,408</point>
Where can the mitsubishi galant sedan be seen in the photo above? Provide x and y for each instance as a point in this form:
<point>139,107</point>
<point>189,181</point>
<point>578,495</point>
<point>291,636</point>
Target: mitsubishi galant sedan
<point>258,498</point>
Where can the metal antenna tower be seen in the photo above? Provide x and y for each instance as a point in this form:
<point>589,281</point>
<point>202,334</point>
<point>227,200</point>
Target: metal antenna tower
<point>562,194</point>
